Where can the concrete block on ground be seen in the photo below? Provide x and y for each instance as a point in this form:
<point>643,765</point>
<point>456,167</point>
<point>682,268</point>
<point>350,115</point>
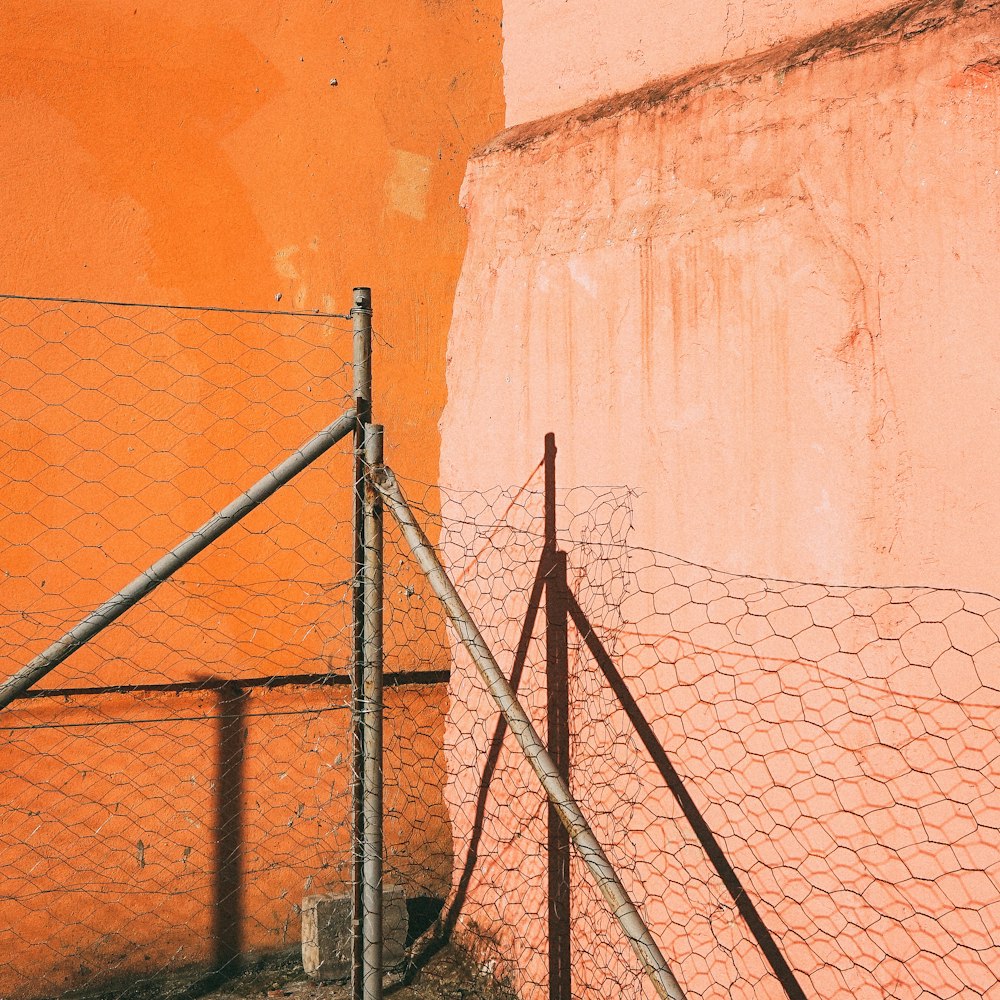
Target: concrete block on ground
<point>326,933</point>
<point>395,924</point>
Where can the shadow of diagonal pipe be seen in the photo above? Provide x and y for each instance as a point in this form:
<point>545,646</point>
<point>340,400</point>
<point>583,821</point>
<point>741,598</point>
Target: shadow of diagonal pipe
<point>765,940</point>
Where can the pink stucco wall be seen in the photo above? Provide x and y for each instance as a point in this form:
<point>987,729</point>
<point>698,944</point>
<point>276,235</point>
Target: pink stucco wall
<point>770,305</point>
<point>559,56</point>
<point>764,298</point>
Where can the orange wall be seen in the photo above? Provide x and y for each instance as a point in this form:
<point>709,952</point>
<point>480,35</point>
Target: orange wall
<point>201,154</point>
<point>194,153</point>
<point>112,809</point>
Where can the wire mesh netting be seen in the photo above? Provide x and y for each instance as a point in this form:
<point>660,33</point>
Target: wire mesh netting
<point>837,745</point>
<point>797,783</point>
<point>183,780</point>
<point>125,430</point>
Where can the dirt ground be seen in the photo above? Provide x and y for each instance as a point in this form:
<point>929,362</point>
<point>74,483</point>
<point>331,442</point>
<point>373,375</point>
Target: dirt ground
<point>450,975</point>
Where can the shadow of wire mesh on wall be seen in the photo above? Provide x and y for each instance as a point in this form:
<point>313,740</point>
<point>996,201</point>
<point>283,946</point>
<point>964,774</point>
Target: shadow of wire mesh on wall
<point>838,743</point>
<point>177,786</point>
<point>172,791</point>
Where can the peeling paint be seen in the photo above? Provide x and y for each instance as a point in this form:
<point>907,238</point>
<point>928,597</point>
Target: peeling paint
<point>408,185</point>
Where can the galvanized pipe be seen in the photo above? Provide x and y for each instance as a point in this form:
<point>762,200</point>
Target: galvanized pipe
<point>165,567</point>
<point>590,850</point>
<point>371,722</point>
<point>361,321</point>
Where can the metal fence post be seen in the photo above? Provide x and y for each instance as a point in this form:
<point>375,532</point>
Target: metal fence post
<point>557,738</point>
<point>361,319</point>
<point>371,722</point>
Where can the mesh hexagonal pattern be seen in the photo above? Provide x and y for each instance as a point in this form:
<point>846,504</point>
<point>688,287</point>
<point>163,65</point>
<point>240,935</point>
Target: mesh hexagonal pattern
<point>175,787</point>
<point>797,782</point>
<point>837,744</point>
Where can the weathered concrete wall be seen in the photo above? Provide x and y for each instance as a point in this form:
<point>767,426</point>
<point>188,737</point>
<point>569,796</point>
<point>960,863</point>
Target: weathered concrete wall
<point>767,303</point>
<point>559,57</point>
<point>762,295</point>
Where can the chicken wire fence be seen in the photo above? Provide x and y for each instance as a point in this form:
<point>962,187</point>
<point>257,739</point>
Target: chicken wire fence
<point>797,784</point>
<point>174,789</point>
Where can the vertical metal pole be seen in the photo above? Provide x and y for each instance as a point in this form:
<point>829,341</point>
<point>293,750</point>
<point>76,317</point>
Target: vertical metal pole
<point>371,721</point>
<point>361,318</point>
<point>557,737</point>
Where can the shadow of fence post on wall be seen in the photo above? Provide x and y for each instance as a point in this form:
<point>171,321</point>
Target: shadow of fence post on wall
<point>227,832</point>
<point>227,913</point>
<point>460,895</point>
<point>692,813</point>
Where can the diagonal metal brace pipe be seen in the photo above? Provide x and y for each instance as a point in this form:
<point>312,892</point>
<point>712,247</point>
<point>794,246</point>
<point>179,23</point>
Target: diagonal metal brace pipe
<point>165,567</point>
<point>569,812</point>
